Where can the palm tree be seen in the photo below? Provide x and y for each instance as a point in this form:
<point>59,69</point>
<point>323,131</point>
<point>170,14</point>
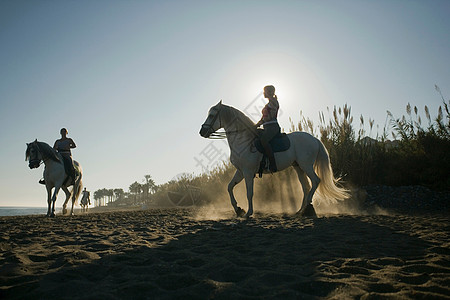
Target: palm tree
<point>110,195</point>
<point>148,186</point>
<point>97,197</point>
<point>119,193</point>
<point>104,196</point>
<point>135,189</point>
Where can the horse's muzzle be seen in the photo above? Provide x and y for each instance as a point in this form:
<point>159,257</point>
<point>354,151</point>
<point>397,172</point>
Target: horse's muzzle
<point>205,131</point>
<point>33,164</point>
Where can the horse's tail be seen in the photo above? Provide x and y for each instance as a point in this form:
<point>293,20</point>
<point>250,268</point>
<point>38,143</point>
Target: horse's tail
<point>78,191</point>
<point>327,187</point>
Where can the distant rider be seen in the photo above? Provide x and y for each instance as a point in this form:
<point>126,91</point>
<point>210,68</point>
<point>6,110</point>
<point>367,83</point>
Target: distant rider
<point>86,197</point>
<point>270,124</point>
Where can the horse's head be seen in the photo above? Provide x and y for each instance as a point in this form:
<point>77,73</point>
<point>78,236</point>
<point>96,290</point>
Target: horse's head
<point>33,154</point>
<point>212,122</point>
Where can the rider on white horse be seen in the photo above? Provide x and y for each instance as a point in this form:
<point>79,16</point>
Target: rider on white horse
<point>63,146</point>
<point>270,124</point>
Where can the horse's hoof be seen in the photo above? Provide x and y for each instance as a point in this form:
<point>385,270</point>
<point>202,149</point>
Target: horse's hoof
<point>309,211</point>
<point>247,216</point>
<point>52,215</point>
<point>64,211</point>
<point>240,212</point>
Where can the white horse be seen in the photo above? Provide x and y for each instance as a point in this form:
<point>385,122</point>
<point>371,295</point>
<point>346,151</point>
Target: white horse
<point>54,174</point>
<point>85,201</point>
<point>306,154</point>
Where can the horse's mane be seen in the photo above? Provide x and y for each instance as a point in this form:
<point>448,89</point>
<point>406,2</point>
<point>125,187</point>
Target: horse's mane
<point>47,151</point>
<point>244,121</point>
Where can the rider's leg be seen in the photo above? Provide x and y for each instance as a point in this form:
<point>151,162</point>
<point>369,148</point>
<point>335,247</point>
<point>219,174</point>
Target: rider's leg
<point>270,131</point>
<point>270,155</point>
<point>71,169</point>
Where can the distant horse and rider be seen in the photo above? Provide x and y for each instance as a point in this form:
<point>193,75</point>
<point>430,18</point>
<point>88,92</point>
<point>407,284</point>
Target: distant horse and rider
<point>85,200</point>
<point>60,170</point>
<point>251,146</point>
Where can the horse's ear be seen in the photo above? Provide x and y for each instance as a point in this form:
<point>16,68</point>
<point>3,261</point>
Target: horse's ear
<point>35,140</point>
<point>220,102</point>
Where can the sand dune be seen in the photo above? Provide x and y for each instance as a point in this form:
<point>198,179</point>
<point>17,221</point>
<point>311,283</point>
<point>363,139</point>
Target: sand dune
<point>170,253</point>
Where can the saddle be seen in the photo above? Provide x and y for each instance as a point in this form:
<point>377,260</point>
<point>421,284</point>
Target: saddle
<point>279,143</point>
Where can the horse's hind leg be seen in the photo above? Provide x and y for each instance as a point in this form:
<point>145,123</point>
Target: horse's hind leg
<point>306,187</point>
<point>249,182</point>
<point>67,192</point>
<point>76,192</point>
<point>308,209</point>
<point>234,181</point>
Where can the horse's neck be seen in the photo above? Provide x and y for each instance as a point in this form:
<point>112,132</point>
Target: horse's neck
<point>239,134</point>
<point>50,163</point>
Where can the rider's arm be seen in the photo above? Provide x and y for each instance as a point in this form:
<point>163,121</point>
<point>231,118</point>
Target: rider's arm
<point>55,146</point>
<point>260,122</point>
<point>72,144</point>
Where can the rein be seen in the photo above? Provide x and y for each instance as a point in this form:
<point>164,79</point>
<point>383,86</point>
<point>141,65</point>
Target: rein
<point>42,160</point>
<point>219,135</point>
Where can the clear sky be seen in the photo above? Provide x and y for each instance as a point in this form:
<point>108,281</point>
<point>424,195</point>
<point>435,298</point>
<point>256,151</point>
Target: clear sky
<point>132,81</point>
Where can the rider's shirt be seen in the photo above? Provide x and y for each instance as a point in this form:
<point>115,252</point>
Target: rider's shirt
<point>63,146</point>
<point>270,112</point>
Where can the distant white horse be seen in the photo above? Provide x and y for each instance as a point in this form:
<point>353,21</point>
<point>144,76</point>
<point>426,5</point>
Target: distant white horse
<point>306,154</point>
<point>54,174</point>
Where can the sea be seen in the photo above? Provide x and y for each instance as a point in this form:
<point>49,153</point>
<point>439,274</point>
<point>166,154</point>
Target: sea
<point>22,211</point>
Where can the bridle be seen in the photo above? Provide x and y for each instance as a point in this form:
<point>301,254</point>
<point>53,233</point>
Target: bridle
<point>210,132</point>
<point>214,135</point>
<point>36,161</point>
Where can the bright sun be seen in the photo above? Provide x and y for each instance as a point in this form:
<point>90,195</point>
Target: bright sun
<point>296,85</point>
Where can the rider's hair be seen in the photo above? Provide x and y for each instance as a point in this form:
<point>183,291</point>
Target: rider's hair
<point>63,129</point>
<point>270,90</point>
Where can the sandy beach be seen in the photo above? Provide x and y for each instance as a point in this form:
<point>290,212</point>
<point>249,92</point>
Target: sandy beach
<point>180,254</point>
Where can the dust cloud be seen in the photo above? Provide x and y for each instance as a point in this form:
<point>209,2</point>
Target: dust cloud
<point>281,193</point>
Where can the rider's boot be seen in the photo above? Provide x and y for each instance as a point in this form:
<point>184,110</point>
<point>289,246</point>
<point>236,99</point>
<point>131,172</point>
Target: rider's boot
<point>269,153</point>
<point>42,181</point>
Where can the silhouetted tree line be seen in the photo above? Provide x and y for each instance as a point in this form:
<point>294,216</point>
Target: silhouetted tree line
<point>138,194</point>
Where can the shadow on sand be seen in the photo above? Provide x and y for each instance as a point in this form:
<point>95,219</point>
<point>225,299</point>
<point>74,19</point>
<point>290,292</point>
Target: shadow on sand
<point>266,257</point>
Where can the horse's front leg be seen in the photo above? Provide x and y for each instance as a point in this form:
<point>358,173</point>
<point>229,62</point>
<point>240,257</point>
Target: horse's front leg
<point>67,192</point>
<point>234,181</point>
<point>249,181</point>
<point>55,194</point>
<point>49,200</point>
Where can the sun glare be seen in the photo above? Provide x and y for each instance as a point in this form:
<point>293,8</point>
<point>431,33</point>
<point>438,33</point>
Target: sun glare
<point>296,85</point>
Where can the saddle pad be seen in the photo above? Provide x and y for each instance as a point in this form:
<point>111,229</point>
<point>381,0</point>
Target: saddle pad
<point>279,143</point>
